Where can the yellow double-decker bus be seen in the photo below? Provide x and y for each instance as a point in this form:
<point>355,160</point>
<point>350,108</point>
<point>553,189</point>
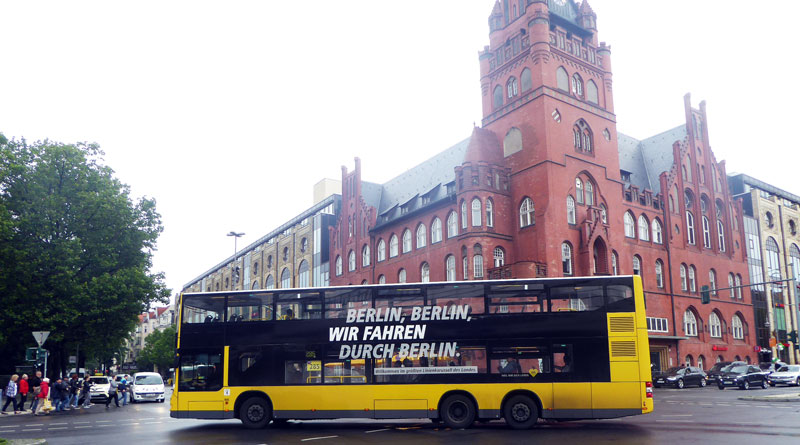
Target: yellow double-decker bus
<point>521,350</point>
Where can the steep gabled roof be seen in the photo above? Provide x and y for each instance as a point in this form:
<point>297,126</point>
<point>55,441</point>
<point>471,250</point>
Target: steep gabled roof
<point>648,158</point>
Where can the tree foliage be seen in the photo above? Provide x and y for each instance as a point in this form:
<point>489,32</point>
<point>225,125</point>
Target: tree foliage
<point>75,251</point>
<point>159,350</point>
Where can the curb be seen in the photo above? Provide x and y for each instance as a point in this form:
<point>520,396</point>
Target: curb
<point>26,441</point>
<point>787,398</point>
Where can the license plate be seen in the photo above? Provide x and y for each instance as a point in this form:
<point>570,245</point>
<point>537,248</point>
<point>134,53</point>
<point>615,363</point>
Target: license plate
<point>660,381</point>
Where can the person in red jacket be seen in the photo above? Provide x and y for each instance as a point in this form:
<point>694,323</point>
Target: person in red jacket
<point>23,391</point>
<point>42,396</point>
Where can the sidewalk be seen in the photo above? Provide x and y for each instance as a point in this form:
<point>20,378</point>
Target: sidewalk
<point>775,398</point>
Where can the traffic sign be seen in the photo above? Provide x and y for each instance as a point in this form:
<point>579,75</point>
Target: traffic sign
<point>40,336</point>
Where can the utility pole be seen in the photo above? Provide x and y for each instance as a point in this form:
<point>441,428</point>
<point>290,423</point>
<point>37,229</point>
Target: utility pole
<point>235,236</point>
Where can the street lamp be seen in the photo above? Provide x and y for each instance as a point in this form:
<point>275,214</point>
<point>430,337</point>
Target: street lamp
<point>235,236</point>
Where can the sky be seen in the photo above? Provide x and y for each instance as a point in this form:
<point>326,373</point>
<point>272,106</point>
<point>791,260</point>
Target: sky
<point>228,112</point>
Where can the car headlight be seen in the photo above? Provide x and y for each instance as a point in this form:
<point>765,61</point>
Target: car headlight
<point>671,379</point>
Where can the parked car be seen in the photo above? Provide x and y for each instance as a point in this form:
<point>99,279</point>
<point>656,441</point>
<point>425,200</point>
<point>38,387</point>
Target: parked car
<point>785,375</point>
<point>770,367</point>
<point>147,386</point>
<point>680,377</point>
<point>718,369</point>
<point>743,377</point>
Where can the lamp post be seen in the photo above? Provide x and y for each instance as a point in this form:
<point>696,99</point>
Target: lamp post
<point>235,236</point>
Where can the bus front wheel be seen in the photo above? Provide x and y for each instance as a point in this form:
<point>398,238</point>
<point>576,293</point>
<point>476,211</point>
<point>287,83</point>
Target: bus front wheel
<point>521,412</point>
<point>458,412</point>
<point>255,413</point>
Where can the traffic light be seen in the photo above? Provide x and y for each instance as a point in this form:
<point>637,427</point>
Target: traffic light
<point>705,295</point>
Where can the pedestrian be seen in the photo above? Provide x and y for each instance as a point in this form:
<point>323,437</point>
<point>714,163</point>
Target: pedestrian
<point>74,386</point>
<point>112,392</point>
<point>36,386</point>
<point>123,391</point>
<point>11,394</point>
<point>55,394</point>
<point>86,392</point>
<point>41,397</point>
<point>23,391</point>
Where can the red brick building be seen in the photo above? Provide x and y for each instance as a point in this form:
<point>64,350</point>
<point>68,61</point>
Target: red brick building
<point>547,187</point>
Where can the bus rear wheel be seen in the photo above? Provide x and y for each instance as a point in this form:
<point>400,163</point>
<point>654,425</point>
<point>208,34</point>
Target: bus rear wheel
<point>521,412</point>
<point>255,413</point>
<point>458,412</point>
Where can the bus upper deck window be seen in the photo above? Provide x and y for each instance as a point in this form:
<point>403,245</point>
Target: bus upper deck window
<point>299,306</point>
<point>450,295</point>
<point>620,298</point>
<point>203,309</point>
<point>576,298</point>
<point>254,307</point>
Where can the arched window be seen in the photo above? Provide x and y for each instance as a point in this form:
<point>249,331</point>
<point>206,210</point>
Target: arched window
<point>422,236</point>
<point>692,280</point>
<point>714,325</point>
<point>498,97</point>
<point>589,192</point>
<point>381,250</point>
<point>452,225</point>
<point>489,213</point>
<point>570,209</point>
<point>637,265</point>
<point>463,214</point>
<point>477,261</point>
<point>591,92</point>
<point>721,235</point>
<point>630,230</point>
<point>582,136</point>
<point>450,267</point>
<point>794,258</point>
<point>351,261</point>
<point>689,360</point>
<point>269,283</point>
<point>562,79</point>
<point>365,256</point>
<point>706,233</point>
<point>476,212</point>
<point>499,257</point>
<point>579,190</point>
<point>738,283</point>
<point>737,327</point>
<point>393,246</point>
<point>701,360</point>
<point>603,213</point>
<point>658,232</point>
<point>644,228</point>
<point>577,85</point>
<point>338,265</point>
<point>286,278</point>
<point>512,88</point>
<point>614,264</point>
<point>773,260</point>
<point>769,220</point>
<point>731,284</point>
<point>566,259</point>
<point>436,231</point>
<point>660,274</point>
<point>684,283</point>
<point>401,276</point>
<point>425,273</point>
<point>255,285</point>
<point>526,216</point>
<point>690,323</point>
<point>525,80</point>
<point>406,241</point>
<point>381,279</point>
<point>303,275</point>
<point>712,281</point>
<point>689,227</point>
<point>465,266</point>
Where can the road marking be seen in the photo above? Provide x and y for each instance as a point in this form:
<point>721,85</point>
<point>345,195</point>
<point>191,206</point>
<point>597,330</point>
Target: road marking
<point>377,431</point>
<point>318,438</point>
<point>35,424</point>
<point>724,404</point>
<point>60,423</point>
<point>59,428</point>
<point>152,423</point>
<point>77,427</point>
<point>675,420</point>
<point>104,425</point>
<point>677,415</point>
<point>99,421</point>
<point>76,423</point>
<point>761,406</point>
<point>33,429</point>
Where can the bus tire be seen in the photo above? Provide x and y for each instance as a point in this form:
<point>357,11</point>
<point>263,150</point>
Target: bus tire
<point>255,413</point>
<point>521,412</point>
<point>458,412</point>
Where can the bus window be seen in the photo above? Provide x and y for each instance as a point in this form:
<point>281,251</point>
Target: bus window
<point>450,295</point>
<point>576,298</point>
<point>472,356</point>
<point>339,301</point>
<point>249,307</point>
<point>200,371</point>
<point>562,359</point>
<point>203,308</point>
<point>345,371</point>
<point>405,298</point>
<point>518,298</point>
<point>299,306</point>
<point>303,372</point>
<point>519,360</point>
<point>620,299</point>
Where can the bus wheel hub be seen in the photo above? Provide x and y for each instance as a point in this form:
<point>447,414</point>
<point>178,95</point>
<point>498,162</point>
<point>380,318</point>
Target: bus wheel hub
<point>521,412</point>
<point>255,413</point>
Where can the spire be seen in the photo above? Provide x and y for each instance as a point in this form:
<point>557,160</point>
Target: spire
<point>484,147</point>
<point>588,19</point>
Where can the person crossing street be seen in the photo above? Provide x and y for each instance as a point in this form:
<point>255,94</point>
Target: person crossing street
<point>112,393</point>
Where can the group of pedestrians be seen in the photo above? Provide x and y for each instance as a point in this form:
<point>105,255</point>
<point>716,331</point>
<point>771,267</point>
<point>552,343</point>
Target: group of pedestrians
<point>19,388</point>
<point>64,393</point>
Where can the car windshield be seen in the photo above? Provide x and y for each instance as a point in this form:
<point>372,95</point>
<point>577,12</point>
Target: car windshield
<point>719,366</point>
<point>738,369</point>
<point>99,380</point>
<point>148,380</point>
<point>793,368</point>
<point>673,371</point>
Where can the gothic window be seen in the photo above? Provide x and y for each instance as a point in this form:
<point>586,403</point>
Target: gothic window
<point>401,276</point>
<point>630,229</point>
<point>365,256</point>
<point>591,92</point>
<point>577,85</point>
<point>351,261</point>
<point>684,284</point>
<point>422,236</point>
<point>644,228</point>
<point>692,280</point>
<point>498,96</point>
<point>406,241</point>
<point>425,273</point>
<point>589,192</point>
<point>526,214</point>
<point>476,212</point>
<point>659,274</point>
<point>562,79</point>
<point>566,259</point>
<point>452,225</point>
<point>450,267</point>
<point>570,209</point>
<point>499,257</point>
<point>465,266</point>
<point>525,80</point>
<point>393,246</point>
<point>338,267</point>
<point>706,233</point>
<point>381,250</point>
<point>714,325</point>
<point>658,233</point>
<point>489,213</point>
<point>721,235</point>
<point>614,264</point>
<point>512,88</point>
<point>582,136</point>
<point>737,327</point>
<point>690,227</point>
<point>579,190</point>
<point>463,214</point>
<point>436,231</point>
<point>690,323</point>
<point>604,213</point>
<point>637,265</point>
<point>731,284</point>
<point>738,284</point>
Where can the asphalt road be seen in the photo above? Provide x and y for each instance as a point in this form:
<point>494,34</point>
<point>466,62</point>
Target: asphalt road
<point>691,415</point>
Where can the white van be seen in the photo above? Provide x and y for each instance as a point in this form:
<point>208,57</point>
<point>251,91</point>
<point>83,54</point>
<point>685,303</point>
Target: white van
<point>147,386</point>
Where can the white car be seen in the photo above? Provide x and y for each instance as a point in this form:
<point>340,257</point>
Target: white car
<point>100,387</point>
<point>785,375</point>
<point>147,386</point>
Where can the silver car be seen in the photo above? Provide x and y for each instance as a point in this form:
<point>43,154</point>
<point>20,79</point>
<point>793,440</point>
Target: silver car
<point>785,375</point>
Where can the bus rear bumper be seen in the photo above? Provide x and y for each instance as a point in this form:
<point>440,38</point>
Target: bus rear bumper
<point>201,414</point>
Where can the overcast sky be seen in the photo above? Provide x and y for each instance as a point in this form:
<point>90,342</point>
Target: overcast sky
<point>228,112</point>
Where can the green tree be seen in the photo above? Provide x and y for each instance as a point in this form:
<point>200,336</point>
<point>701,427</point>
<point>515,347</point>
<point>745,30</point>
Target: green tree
<point>75,252</point>
<point>159,351</point>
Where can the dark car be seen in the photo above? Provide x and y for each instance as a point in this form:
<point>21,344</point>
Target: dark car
<point>680,377</point>
<point>718,369</point>
<point>743,377</point>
